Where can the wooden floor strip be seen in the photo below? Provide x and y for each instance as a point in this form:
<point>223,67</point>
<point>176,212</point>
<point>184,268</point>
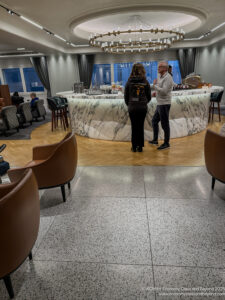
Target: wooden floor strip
<point>186,151</point>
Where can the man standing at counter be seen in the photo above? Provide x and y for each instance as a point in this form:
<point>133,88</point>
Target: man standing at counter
<point>163,86</point>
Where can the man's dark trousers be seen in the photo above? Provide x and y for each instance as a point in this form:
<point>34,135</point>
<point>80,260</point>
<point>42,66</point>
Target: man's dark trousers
<point>161,114</point>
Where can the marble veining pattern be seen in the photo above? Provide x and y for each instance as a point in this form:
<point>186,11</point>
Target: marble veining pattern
<point>109,120</point>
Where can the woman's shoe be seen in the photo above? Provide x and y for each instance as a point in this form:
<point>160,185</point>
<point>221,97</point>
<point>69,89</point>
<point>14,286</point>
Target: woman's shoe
<point>133,149</point>
<point>139,149</point>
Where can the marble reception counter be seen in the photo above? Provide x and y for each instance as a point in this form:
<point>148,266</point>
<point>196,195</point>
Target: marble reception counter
<point>108,119</point>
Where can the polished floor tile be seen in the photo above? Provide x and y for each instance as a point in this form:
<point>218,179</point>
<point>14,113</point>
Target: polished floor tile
<point>113,230</point>
<point>187,232</point>
<point>69,280</point>
<point>178,182</point>
<point>111,181</point>
<point>45,223</point>
<point>108,241</point>
<point>173,283</point>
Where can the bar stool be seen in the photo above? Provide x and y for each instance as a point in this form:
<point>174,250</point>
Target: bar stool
<point>58,112</point>
<point>215,98</point>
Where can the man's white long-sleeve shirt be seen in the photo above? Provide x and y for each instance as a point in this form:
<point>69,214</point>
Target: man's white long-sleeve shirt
<point>163,89</point>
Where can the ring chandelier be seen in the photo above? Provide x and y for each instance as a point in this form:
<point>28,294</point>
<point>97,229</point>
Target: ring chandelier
<point>136,40</point>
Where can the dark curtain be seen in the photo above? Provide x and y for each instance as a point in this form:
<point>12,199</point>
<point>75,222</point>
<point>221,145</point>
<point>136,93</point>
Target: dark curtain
<point>41,68</point>
<point>186,59</point>
<point>86,63</point>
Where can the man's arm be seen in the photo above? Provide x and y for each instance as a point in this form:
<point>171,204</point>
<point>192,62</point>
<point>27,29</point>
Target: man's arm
<point>166,88</point>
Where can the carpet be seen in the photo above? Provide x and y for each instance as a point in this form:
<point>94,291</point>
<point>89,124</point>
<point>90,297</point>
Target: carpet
<point>222,111</point>
<point>25,133</point>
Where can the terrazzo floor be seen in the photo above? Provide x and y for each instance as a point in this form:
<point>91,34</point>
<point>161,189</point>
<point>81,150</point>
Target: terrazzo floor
<point>128,233</point>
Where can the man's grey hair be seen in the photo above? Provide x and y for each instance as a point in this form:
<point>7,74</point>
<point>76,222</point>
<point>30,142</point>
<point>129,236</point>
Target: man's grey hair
<point>164,63</point>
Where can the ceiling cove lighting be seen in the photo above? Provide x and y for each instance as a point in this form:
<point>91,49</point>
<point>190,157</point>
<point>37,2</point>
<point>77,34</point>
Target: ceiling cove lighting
<point>217,27</point>
<point>59,37</point>
<point>11,12</point>
<point>206,34</point>
<point>31,22</point>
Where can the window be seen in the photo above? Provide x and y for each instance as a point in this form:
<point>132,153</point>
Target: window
<point>33,83</point>
<point>151,70</point>
<point>175,70</point>
<point>12,77</point>
<point>102,72</point>
<point>122,72</point>
<point>101,75</point>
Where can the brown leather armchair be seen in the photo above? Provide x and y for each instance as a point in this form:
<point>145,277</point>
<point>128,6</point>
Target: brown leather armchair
<point>19,222</point>
<point>55,165</point>
<point>215,156</point>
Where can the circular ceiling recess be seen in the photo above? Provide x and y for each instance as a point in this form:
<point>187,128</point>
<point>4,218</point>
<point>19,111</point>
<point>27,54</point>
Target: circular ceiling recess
<point>124,21</point>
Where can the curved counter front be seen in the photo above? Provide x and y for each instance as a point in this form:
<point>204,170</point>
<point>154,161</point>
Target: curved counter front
<point>108,119</point>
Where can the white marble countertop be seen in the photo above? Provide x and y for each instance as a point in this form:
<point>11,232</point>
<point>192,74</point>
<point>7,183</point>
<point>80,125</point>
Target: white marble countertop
<point>120,95</point>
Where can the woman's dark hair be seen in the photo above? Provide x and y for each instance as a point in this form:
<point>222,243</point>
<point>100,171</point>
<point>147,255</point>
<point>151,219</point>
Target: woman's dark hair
<point>16,94</point>
<point>138,70</point>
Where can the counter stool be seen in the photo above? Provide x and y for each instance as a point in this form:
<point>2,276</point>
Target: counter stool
<point>215,98</point>
<point>58,113</point>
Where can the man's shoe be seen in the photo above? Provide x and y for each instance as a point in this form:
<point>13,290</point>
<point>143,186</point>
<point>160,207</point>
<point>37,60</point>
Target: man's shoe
<point>139,149</point>
<point>164,146</point>
<point>153,142</point>
<point>133,149</point>
<point>2,147</point>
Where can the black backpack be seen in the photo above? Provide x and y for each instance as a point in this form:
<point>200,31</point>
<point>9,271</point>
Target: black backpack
<point>137,93</point>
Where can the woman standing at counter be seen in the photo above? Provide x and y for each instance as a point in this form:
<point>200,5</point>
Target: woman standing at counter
<point>137,94</point>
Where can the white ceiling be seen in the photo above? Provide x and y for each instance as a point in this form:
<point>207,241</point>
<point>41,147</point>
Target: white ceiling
<point>62,17</point>
<point>137,19</point>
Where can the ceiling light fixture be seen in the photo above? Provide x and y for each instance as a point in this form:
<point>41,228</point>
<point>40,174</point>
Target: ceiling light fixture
<point>19,49</point>
<point>137,38</point>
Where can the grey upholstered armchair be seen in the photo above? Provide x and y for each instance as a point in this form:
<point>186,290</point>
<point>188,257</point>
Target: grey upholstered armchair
<point>24,110</point>
<point>9,118</point>
<point>38,109</point>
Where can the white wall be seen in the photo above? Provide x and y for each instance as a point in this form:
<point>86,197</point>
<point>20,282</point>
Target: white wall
<point>104,58</point>
<point>63,72</point>
<point>210,64</point>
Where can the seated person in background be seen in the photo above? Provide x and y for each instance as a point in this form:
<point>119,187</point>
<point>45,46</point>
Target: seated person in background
<point>170,70</point>
<point>33,99</point>
<point>16,99</point>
